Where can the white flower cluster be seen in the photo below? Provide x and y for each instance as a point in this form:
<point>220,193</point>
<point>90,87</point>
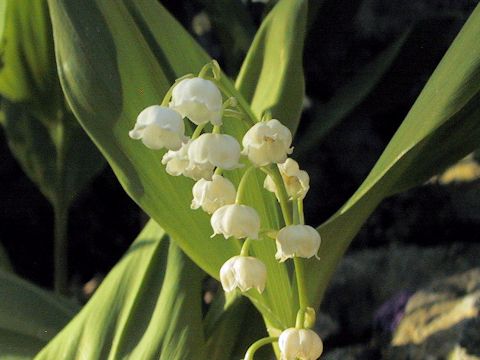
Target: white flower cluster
<point>204,156</point>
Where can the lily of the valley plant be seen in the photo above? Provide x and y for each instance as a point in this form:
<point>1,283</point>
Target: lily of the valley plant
<point>206,157</point>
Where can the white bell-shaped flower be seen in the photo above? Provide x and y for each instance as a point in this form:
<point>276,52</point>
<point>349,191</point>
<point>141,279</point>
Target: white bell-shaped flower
<point>177,163</point>
<point>302,344</point>
<point>239,221</point>
<point>267,142</point>
<point>159,127</point>
<point>297,182</point>
<point>243,272</point>
<point>199,100</point>
<point>211,195</point>
<point>297,240</point>
<point>219,150</point>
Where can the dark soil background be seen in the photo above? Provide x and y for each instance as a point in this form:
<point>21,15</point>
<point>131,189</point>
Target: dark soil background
<point>343,37</point>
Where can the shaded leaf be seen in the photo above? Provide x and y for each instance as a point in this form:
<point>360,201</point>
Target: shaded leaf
<point>148,307</point>
<point>27,71</point>
<point>29,317</point>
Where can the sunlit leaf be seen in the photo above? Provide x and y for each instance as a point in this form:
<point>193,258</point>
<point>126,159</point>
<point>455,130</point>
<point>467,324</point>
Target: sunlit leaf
<point>442,127</point>
<point>148,307</point>
<point>116,58</point>
<point>29,317</point>
<point>271,77</point>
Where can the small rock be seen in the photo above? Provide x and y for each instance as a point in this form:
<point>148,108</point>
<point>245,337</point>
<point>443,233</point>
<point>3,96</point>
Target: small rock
<point>441,321</point>
<point>367,279</point>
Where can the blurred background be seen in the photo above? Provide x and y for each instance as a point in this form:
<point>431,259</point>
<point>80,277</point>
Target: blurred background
<point>372,57</point>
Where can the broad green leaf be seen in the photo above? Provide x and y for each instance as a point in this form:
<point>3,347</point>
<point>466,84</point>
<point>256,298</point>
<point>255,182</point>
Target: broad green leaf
<point>42,133</point>
<point>116,58</point>
<point>29,317</point>
<point>442,127</point>
<point>27,71</point>
<point>60,167</point>
<point>148,307</point>
<point>271,77</point>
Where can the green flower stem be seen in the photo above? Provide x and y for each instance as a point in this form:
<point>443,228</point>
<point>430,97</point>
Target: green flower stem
<point>281,193</point>
<point>218,171</point>
<point>237,115</point>
<point>267,115</point>
<point>287,216</point>
<point>242,186</point>
<point>242,104</point>
<point>245,247</point>
<point>216,129</point>
<point>230,102</point>
<point>301,216</point>
<point>295,213</point>
<point>299,271</point>
<point>198,131</point>
<point>257,345</point>
<point>168,95</point>
<point>302,292</point>
<point>211,66</point>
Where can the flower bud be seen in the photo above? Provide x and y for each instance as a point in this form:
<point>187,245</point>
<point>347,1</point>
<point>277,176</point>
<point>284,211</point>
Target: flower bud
<point>177,163</point>
<point>211,195</point>
<point>219,150</point>
<point>199,100</point>
<point>159,127</point>
<point>302,344</point>
<point>236,220</point>
<point>244,272</point>
<point>267,142</point>
<point>297,182</point>
<point>297,240</point>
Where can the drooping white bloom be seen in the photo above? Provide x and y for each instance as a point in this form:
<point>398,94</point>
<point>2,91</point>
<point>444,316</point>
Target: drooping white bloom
<point>267,142</point>
<point>177,163</point>
<point>219,150</point>
<point>244,272</point>
<point>159,127</point>
<point>240,221</point>
<point>302,344</point>
<point>211,195</point>
<point>199,100</point>
<point>297,182</point>
<point>297,240</point>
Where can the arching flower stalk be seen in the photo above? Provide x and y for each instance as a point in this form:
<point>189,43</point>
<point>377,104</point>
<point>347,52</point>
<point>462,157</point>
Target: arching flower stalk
<point>206,156</point>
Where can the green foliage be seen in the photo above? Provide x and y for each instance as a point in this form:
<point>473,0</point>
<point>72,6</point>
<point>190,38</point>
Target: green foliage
<point>29,317</point>
<point>117,57</point>
<point>271,77</point>
<point>148,307</point>
<point>109,78</point>
<point>42,133</point>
